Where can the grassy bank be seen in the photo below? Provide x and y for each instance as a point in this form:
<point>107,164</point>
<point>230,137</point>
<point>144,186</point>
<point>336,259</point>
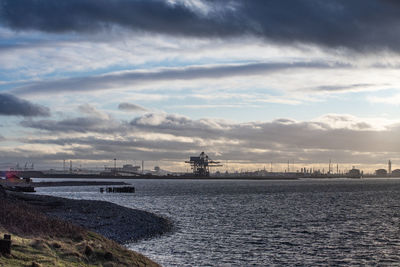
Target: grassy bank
<point>45,241</point>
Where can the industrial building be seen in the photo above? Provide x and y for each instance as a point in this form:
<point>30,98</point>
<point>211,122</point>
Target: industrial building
<point>381,173</point>
<point>354,173</point>
<point>396,173</point>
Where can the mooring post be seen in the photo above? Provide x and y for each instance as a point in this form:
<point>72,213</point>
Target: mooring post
<point>5,245</point>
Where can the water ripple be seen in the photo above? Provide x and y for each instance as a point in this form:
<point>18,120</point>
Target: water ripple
<point>267,223</point>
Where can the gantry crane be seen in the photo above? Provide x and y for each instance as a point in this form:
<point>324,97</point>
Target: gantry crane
<point>201,165</point>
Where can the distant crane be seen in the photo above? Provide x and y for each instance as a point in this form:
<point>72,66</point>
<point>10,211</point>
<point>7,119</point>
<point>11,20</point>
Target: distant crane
<point>201,165</point>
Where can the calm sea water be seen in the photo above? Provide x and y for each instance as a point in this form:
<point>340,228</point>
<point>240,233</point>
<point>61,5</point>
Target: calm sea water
<point>263,223</point>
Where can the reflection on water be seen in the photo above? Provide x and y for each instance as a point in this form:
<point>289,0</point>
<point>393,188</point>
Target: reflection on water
<point>242,223</point>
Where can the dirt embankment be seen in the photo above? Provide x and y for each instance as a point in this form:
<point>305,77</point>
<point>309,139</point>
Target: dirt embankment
<point>49,231</point>
<point>115,222</point>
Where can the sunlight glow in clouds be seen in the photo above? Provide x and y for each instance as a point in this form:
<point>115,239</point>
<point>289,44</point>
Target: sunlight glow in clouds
<point>175,78</point>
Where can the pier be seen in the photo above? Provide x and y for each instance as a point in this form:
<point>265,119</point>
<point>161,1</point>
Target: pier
<point>125,189</point>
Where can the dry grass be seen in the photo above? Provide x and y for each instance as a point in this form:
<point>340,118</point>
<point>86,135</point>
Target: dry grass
<point>95,250</point>
<point>22,219</point>
<point>53,242</point>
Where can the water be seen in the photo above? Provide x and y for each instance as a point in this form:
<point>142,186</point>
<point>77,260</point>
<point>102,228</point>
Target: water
<point>261,223</point>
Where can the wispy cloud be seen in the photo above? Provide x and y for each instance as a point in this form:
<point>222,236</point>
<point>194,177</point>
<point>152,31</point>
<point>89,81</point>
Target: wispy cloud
<point>78,124</point>
<point>388,100</point>
<point>347,87</point>
<point>114,80</point>
<point>131,107</point>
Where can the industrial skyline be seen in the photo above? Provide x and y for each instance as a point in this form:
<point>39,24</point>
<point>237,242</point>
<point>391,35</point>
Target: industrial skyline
<point>71,166</point>
<point>176,77</point>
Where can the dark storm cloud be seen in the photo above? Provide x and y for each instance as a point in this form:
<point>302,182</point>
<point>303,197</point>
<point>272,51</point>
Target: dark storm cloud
<point>356,24</point>
<point>89,15</point>
<point>187,73</point>
<point>131,107</point>
<point>13,106</point>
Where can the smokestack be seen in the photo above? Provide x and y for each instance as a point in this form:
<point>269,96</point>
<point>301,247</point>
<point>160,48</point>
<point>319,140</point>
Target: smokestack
<point>329,171</point>
<point>115,167</point>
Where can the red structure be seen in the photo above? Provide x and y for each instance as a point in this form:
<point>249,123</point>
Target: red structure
<point>12,176</point>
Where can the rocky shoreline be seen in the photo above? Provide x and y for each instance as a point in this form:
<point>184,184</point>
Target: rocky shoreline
<point>115,222</point>
<point>53,231</point>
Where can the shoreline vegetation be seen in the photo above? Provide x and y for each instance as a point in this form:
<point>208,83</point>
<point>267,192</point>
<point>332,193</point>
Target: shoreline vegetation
<point>54,231</point>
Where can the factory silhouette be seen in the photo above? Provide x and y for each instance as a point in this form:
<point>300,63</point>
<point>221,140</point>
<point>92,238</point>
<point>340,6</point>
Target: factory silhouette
<point>201,167</point>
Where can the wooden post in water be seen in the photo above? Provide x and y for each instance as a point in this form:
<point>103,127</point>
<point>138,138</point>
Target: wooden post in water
<point>5,245</point>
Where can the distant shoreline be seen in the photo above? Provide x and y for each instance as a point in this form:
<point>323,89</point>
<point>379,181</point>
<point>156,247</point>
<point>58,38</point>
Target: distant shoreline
<point>40,174</point>
<point>271,176</point>
<point>75,183</point>
<point>167,177</point>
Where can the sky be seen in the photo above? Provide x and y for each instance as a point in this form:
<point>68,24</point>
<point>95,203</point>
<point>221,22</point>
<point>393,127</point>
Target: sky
<point>248,82</point>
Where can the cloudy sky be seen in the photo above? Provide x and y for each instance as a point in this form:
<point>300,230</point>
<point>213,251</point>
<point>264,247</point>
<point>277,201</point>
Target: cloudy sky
<point>248,82</point>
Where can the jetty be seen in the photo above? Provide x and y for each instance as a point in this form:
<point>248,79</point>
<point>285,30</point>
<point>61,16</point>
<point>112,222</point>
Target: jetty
<point>125,189</point>
<point>22,185</point>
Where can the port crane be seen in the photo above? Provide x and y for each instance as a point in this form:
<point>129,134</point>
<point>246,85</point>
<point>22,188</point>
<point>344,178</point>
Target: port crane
<point>201,164</point>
